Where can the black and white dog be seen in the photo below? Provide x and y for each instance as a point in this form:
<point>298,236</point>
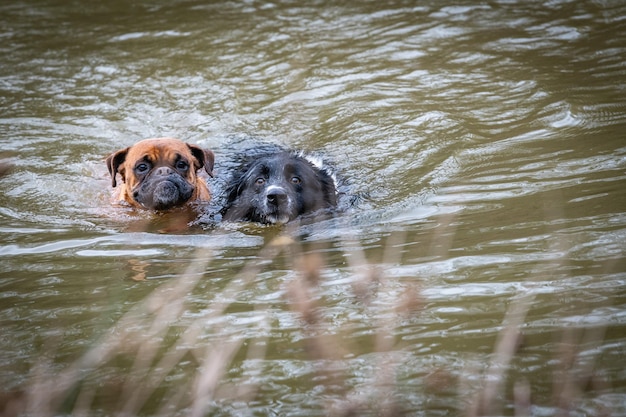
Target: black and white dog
<point>277,188</point>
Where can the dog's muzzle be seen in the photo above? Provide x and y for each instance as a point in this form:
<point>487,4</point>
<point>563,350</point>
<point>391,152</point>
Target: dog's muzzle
<point>277,197</point>
<point>163,189</point>
<point>277,205</point>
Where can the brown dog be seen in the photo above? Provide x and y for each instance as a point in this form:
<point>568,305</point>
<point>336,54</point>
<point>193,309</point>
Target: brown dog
<point>161,173</point>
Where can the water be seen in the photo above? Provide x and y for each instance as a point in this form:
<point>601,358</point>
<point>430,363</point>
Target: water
<point>483,144</point>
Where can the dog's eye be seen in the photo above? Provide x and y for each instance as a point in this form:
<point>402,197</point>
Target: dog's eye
<point>182,165</point>
<point>141,168</point>
<point>260,181</point>
<point>296,180</point>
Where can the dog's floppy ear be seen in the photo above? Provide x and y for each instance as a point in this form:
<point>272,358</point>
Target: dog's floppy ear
<point>239,182</point>
<point>205,158</point>
<point>113,164</point>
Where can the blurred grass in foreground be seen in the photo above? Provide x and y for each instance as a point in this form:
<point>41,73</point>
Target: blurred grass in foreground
<point>128,371</point>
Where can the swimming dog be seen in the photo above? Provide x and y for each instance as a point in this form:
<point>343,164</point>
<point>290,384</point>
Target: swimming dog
<point>160,173</point>
<point>277,188</point>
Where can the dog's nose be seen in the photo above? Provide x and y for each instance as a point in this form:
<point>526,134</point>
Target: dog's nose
<point>277,196</point>
<point>163,171</point>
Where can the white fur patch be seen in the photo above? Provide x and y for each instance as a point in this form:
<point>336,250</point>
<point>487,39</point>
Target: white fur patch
<point>319,164</point>
<point>274,187</point>
<point>316,161</point>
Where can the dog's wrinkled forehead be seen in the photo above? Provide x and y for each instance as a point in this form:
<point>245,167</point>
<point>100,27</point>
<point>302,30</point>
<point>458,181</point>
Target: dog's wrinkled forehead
<point>159,152</point>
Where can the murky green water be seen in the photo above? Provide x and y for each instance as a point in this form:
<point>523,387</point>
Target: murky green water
<point>486,255</point>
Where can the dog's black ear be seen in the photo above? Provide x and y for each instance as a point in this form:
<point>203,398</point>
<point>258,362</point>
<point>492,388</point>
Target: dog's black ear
<point>114,161</point>
<point>235,188</point>
<point>205,158</point>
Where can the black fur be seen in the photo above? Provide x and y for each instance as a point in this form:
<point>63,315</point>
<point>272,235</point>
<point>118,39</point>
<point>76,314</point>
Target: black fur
<point>278,188</point>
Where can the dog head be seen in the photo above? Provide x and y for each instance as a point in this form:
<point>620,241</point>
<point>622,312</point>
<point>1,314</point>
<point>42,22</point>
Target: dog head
<point>279,188</point>
<point>159,174</point>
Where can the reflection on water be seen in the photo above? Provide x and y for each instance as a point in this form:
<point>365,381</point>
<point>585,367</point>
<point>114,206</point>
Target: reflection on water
<point>485,257</point>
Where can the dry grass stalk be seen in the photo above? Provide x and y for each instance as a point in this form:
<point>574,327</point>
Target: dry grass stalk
<point>330,350</point>
<point>574,373</point>
<point>488,399</point>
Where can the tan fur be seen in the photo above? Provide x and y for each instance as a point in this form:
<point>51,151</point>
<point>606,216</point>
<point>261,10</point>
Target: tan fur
<point>159,152</point>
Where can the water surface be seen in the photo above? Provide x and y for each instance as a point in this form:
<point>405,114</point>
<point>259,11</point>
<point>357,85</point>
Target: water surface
<point>483,145</point>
